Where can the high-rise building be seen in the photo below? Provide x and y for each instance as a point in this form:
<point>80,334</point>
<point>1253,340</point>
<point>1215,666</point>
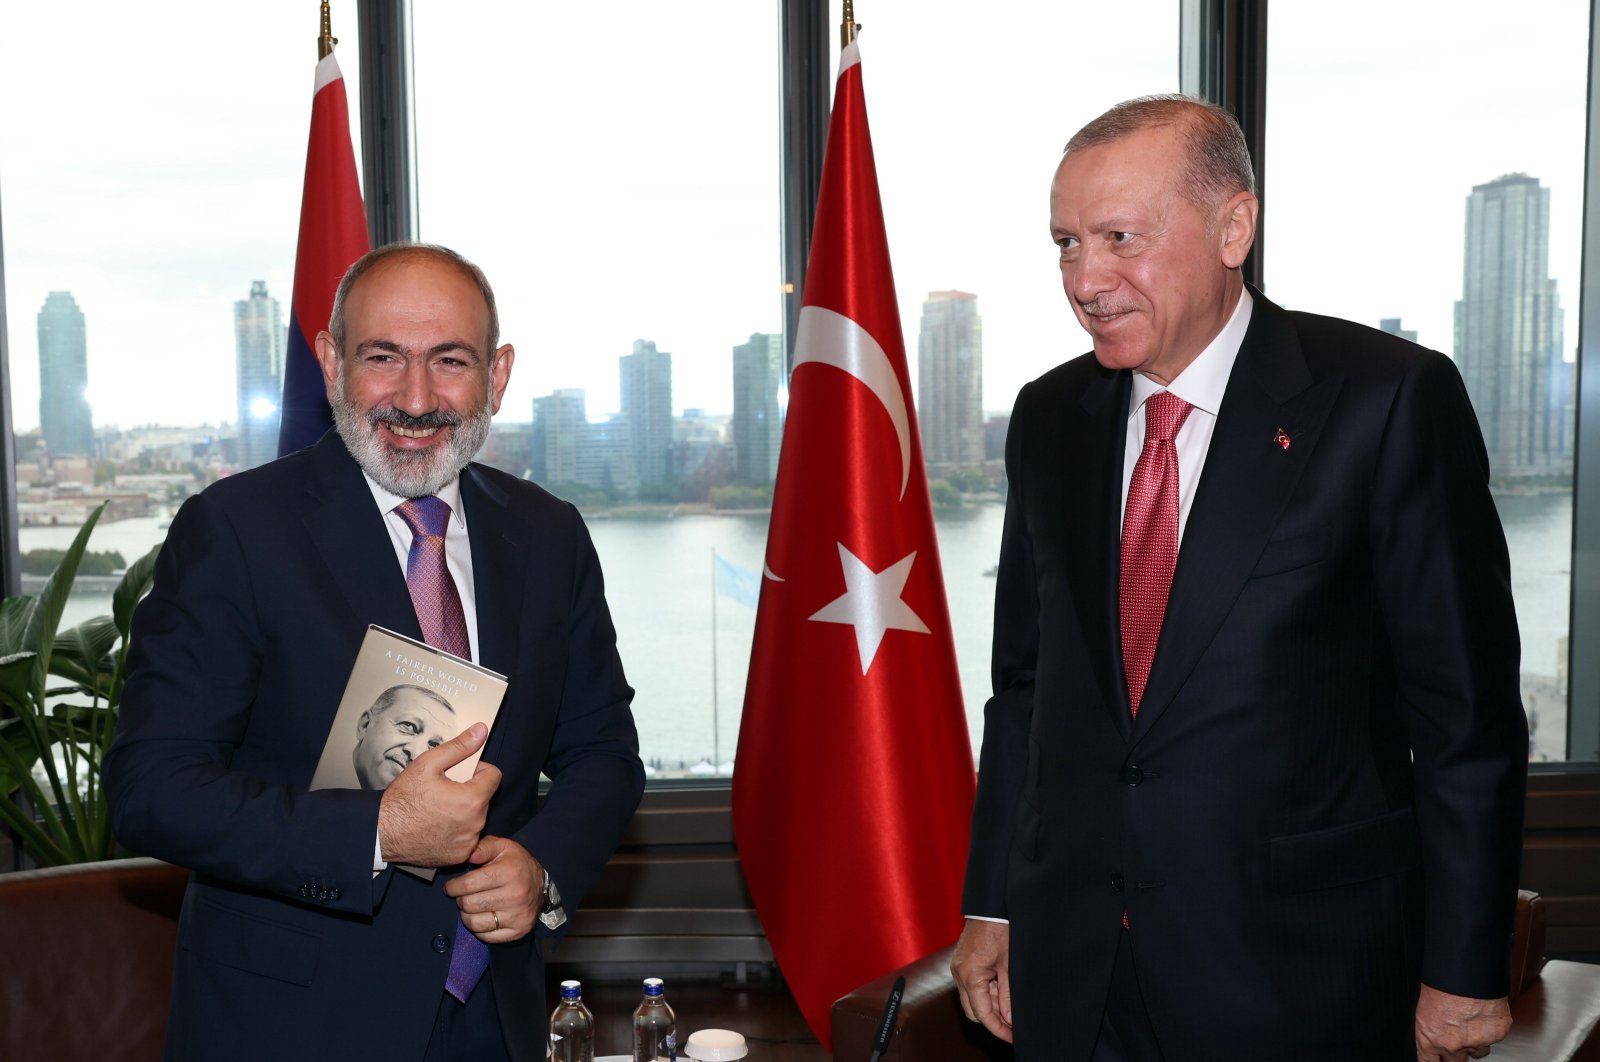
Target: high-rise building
<point>757,422</point>
<point>259,342</point>
<point>568,451</point>
<point>559,421</point>
<point>1508,331</point>
<point>1393,326</point>
<point>950,379</point>
<point>647,410</point>
<point>64,418</point>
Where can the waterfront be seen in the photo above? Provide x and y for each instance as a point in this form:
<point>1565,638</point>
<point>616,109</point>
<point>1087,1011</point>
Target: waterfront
<point>659,583</point>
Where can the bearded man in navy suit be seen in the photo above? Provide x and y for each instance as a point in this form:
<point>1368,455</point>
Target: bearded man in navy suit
<point>1287,826</point>
<point>296,929</point>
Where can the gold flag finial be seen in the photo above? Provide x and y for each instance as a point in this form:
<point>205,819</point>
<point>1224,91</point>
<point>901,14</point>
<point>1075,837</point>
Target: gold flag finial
<point>848,28</point>
<point>326,40</point>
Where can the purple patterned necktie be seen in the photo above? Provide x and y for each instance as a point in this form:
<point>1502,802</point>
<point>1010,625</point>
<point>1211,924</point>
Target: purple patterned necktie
<point>444,626</point>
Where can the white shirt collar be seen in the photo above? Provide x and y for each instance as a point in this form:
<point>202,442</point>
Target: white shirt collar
<point>450,494</point>
<point>1203,381</point>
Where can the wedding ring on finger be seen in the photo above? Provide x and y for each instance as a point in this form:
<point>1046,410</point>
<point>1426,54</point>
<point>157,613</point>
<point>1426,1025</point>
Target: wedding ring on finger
<point>496,919</point>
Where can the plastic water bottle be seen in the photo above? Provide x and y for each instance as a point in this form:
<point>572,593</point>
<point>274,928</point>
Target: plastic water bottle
<point>655,1027</point>
<point>572,1027</point>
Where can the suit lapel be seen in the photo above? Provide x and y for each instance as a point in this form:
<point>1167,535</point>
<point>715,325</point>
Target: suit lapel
<point>499,558</point>
<point>347,530</point>
<point>1247,480</point>
<point>1090,452</point>
<point>500,551</point>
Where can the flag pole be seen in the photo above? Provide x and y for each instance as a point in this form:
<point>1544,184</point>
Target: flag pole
<point>847,29</point>
<point>326,40</point>
<point>716,736</point>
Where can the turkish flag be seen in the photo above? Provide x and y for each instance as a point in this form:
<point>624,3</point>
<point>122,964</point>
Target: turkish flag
<point>852,797</point>
<point>333,234</point>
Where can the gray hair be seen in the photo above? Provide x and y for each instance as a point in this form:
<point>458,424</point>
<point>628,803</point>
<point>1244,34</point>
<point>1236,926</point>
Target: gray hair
<point>387,698</point>
<point>1218,164</point>
<point>402,250</point>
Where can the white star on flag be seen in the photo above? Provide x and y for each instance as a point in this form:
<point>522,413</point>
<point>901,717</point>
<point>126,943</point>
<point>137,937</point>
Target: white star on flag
<point>871,603</point>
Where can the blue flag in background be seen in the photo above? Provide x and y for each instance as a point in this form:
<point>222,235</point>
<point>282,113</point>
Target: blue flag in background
<point>736,582</point>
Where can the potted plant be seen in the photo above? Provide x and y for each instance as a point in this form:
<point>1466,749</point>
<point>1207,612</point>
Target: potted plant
<point>60,691</point>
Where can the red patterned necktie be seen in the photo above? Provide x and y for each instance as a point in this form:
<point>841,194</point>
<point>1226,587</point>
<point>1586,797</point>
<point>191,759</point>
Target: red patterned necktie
<point>1150,540</point>
<point>444,626</point>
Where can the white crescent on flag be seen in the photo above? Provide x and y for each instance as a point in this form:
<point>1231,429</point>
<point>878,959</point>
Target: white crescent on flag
<point>830,338</point>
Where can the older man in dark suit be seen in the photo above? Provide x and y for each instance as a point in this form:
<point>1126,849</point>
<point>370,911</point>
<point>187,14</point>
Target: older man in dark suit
<point>1252,776</point>
<point>298,939</point>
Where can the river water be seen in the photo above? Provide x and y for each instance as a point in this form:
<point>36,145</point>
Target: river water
<point>690,672</point>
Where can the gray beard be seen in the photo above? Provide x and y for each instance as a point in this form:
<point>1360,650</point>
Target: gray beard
<point>408,473</point>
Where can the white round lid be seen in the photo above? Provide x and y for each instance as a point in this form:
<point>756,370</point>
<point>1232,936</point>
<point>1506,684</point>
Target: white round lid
<point>715,1045</point>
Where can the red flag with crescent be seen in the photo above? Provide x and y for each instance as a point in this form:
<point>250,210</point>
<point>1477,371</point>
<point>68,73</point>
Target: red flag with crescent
<point>852,796</point>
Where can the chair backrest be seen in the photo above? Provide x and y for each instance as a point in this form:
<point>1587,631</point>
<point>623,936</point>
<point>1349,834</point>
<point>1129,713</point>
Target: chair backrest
<point>92,949</point>
<point>1527,942</point>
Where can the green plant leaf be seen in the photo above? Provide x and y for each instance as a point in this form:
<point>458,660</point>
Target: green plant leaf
<point>15,615</point>
<point>17,758</point>
<point>83,654</point>
<point>80,715</point>
<point>16,682</point>
<point>136,582</point>
<point>52,600</point>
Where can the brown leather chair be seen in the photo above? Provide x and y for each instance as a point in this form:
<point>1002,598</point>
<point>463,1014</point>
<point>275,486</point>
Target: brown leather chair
<point>89,960</point>
<point>1555,1005</point>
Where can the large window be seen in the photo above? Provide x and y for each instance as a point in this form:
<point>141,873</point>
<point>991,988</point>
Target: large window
<point>621,190</point>
<point>152,174</point>
<point>969,115</point>
<point>1428,178</point>
<point>621,187</point>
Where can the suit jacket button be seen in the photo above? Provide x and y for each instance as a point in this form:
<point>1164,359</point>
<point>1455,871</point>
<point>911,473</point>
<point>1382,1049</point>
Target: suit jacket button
<point>333,893</point>
<point>305,892</point>
<point>1132,775</point>
<point>324,896</point>
<point>441,943</point>
<point>1116,883</point>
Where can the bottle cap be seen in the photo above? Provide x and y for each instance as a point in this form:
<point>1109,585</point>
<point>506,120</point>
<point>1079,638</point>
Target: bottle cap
<point>653,986</point>
<point>571,990</point>
<point>715,1045</point>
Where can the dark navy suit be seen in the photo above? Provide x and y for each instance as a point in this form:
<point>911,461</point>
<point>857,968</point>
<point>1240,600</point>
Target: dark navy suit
<point>289,947</point>
<point>1321,799</point>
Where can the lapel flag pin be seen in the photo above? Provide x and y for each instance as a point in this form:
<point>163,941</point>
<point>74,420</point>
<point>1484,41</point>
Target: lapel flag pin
<point>1282,438</point>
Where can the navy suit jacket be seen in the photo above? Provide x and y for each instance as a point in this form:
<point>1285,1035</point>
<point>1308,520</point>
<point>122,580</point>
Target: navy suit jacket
<point>289,947</point>
<point>1320,801</point>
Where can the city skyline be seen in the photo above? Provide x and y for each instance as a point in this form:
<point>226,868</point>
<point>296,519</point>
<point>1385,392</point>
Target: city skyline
<point>159,247</point>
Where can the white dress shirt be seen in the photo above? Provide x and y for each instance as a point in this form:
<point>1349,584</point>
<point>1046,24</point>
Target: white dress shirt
<point>1201,384</point>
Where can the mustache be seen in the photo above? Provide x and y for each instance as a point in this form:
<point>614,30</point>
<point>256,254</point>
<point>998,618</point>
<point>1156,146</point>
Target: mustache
<point>437,418</point>
<point>1103,308</point>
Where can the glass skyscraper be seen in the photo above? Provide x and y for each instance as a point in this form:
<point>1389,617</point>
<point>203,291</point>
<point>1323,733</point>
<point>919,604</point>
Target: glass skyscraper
<point>64,417</point>
<point>260,341</point>
<point>757,420</point>
<point>1508,332</point>
<point>950,379</point>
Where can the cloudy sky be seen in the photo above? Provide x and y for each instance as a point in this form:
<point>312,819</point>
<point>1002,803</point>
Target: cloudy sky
<point>616,172</point>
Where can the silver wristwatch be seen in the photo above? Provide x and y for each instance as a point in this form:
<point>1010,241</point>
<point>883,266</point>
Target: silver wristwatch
<point>552,914</point>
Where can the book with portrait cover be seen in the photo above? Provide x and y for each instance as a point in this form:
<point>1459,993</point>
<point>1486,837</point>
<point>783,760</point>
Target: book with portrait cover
<point>403,698</point>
